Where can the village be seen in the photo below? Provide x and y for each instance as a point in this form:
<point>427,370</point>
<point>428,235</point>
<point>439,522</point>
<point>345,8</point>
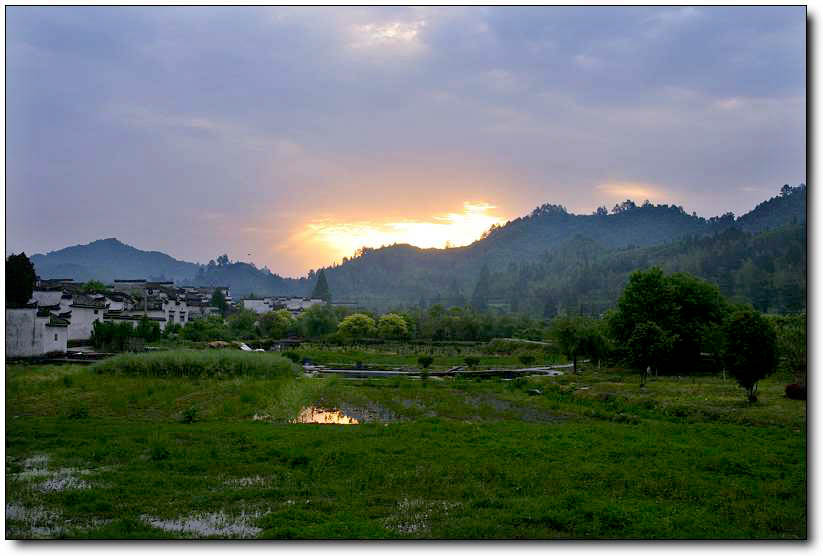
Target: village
<point>62,312</point>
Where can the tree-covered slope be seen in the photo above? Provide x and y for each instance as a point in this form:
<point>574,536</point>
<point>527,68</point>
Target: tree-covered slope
<point>110,259</point>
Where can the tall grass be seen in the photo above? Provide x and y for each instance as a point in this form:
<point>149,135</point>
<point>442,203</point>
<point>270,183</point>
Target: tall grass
<point>197,364</point>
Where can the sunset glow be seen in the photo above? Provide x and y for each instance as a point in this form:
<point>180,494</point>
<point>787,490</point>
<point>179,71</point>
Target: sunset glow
<point>342,239</point>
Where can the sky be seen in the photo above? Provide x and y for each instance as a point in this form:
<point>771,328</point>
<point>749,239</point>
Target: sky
<point>291,137</point>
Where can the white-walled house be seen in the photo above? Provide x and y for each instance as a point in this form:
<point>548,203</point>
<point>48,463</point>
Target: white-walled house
<point>32,332</point>
<point>176,311</point>
<point>259,306</point>
<point>84,313</point>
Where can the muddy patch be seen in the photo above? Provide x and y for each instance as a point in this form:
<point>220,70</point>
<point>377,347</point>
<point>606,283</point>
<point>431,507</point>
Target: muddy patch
<point>525,413</point>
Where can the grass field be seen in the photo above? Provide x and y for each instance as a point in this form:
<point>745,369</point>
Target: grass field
<point>92,455</point>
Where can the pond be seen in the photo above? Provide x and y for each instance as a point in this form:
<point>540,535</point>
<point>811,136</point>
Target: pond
<point>322,416</point>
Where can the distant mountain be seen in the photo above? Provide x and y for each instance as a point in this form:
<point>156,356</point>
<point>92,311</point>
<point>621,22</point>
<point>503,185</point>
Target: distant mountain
<point>109,259</point>
<point>548,238</point>
<point>245,279</point>
<point>547,260</point>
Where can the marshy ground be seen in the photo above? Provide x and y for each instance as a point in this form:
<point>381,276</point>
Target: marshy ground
<point>592,455</point>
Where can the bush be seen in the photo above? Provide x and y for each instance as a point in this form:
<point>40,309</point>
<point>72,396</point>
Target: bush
<point>293,356</point>
<point>197,364</point>
<point>189,415</point>
<point>796,391</point>
<point>526,360</point>
<point>425,361</point>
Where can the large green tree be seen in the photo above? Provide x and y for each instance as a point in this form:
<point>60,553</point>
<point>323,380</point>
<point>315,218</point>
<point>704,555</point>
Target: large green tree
<point>577,336</point>
<point>648,347</point>
<point>750,352</point>
<point>686,309</point>
<point>358,325</point>
<point>20,278</point>
<point>317,320</point>
<point>321,287</point>
<point>276,324</point>
<point>392,326</point>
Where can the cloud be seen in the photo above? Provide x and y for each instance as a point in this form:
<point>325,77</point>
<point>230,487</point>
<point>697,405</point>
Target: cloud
<point>277,116</point>
<point>635,191</point>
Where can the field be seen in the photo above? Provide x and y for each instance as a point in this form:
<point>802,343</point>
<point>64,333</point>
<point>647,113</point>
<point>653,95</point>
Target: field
<point>127,455</point>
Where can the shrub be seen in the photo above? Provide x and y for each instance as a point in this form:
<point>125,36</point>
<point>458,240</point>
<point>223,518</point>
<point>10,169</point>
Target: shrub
<point>189,415</point>
<point>526,359</point>
<point>796,391</point>
<point>197,364</point>
<point>293,356</point>
<point>425,361</point>
<point>68,381</point>
<point>751,349</point>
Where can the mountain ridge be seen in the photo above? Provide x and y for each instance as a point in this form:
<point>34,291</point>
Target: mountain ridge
<point>405,274</point>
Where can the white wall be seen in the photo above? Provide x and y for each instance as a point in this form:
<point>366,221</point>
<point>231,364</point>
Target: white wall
<point>259,306</point>
<point>27,334</point>
<point>55,338</point>
<point>82,322</point>
<point>20,332</point>
<point>176,312</point>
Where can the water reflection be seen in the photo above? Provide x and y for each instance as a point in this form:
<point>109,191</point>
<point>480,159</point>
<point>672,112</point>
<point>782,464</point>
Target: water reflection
<point>324,416</point>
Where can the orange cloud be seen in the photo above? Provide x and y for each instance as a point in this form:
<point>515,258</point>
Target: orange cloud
<point>634,190</point>
<point>338,239</point>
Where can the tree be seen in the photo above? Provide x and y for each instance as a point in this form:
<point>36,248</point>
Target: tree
<point>480,297</point>
<point>317,320</point>
<point>684,307</point>
<point>526,359</point>
<point>392,326</point>
<point>791,343</point>
<point>147,329</point>
<point>570,333</point>
<point>20,278</point>
<point>750,352</point>
<point>357,325</point>
<point>219,300</point>
<point>94,286</point>
<point>223,260</point>
<point>648,346</point>
<point>276,324</point>
<point>471,361</point>
<point>242,323</point>
<point>321,287</point>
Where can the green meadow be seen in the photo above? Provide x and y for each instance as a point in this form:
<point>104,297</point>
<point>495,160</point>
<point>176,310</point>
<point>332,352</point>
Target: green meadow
<point>123,450</point>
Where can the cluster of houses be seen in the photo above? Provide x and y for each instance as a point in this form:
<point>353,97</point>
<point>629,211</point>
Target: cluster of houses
<point>294,305</point>
<point>61,311</point>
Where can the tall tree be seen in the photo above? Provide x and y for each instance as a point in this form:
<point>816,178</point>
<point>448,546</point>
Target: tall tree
<point>20,279</point>
<point>751,349</point>
<point>480,297</point>
<point>219,300</point>
<point>321,288</point>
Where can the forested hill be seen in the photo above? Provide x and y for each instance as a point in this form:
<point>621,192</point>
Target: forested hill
<point>109,259</point>
<point>549,260</point>
<point>580,262</point>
